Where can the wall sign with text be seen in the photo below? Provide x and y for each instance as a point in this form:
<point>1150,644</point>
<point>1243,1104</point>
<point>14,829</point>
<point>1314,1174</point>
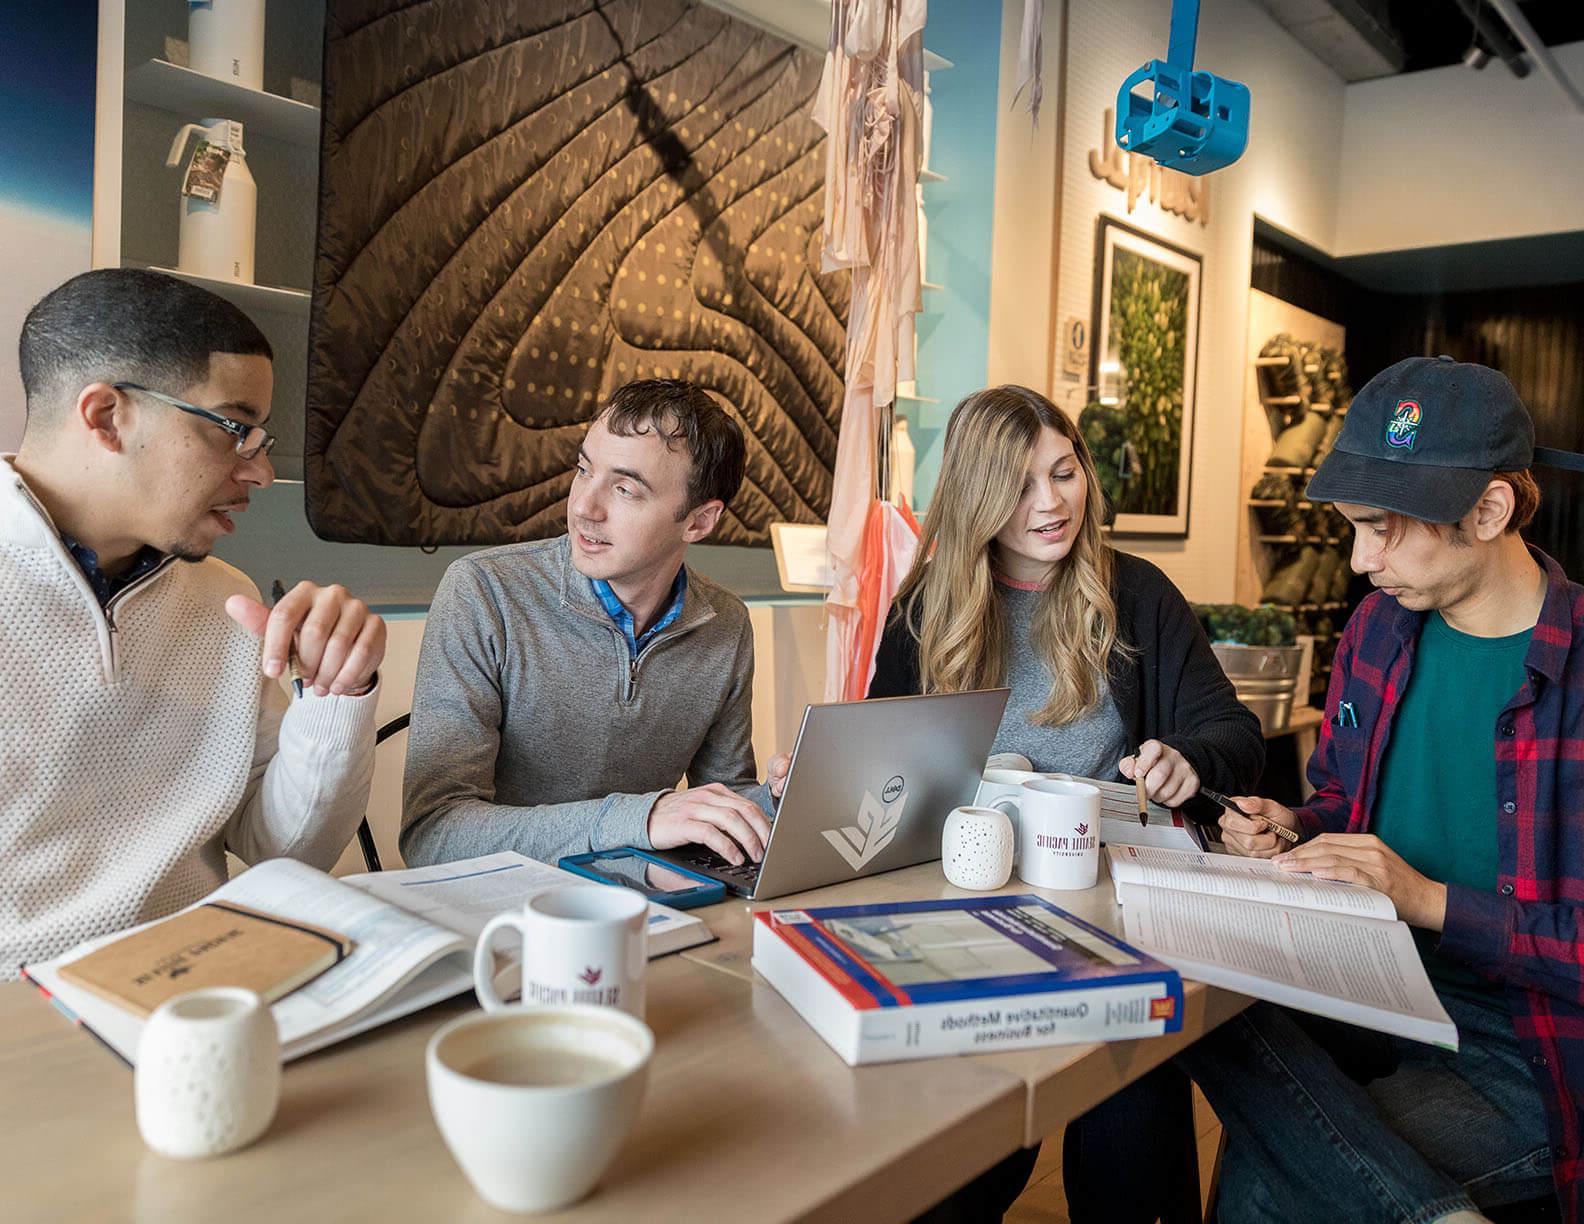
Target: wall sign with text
<point>1141,176</point>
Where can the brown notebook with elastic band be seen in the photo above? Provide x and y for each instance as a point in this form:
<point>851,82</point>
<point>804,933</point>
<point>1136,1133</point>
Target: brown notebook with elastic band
<point>214,944</point>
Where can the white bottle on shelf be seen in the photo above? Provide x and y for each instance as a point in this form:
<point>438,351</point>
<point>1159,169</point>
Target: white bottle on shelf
<point>226,40</point>
<point>217,235</point>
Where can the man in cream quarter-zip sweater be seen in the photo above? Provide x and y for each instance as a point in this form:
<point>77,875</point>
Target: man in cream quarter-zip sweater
<point>146,730</point>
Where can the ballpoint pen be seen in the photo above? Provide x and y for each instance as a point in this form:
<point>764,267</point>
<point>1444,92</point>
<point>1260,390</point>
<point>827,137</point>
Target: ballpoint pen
<point>294,669</point>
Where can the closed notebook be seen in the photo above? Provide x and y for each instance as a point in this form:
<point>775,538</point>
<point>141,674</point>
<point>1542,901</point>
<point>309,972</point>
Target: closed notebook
<point>214,944</point>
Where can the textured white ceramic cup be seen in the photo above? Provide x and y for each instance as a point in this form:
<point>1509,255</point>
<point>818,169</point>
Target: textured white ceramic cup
<point>529,1141</point>
<point>208,1073</point>
<point>976,848</point>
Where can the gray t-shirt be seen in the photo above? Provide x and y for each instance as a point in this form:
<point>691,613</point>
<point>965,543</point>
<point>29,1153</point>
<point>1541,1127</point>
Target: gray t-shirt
<point>1089,746</point>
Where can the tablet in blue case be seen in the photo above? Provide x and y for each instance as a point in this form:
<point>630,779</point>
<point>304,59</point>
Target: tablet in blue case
<point>655,878</point>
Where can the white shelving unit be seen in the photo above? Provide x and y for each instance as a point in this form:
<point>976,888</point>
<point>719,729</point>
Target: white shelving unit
<point>181,90</point>
<point>143,99</point>
<point>249,297</point>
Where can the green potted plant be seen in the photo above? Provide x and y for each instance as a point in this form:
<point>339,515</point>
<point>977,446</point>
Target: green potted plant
<point>1259,651</point>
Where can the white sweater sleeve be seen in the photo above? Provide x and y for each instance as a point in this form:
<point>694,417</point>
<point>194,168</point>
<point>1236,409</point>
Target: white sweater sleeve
<point>313,759</point>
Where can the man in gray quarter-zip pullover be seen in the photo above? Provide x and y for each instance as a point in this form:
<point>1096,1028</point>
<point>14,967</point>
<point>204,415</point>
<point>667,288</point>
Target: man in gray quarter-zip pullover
<point>146,731</point>
<point>565,686</point>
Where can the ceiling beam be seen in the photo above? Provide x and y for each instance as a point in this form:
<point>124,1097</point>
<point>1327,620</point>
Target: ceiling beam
<point>1538,51</point>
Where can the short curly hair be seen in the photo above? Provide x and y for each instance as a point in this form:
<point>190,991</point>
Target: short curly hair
<point>680,411</point>
<point>126,325</point>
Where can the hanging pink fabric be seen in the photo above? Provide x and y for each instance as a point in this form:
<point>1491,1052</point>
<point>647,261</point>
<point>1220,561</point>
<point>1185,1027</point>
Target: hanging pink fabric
<point>870,104</point>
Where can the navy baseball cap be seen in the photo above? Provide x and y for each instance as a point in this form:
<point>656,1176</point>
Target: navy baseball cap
<point>1424,437</point>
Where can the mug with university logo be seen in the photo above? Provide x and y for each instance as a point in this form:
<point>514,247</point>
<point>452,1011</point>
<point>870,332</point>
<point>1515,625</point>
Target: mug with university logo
<point>586,943</point>
<point>1058,832</point>
<point>1004,782</point>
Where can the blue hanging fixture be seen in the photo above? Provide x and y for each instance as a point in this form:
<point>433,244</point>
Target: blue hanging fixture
<point>1190,121</point>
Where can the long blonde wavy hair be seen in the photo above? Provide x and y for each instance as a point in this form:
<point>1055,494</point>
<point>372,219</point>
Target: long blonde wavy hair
<point>949,593</point>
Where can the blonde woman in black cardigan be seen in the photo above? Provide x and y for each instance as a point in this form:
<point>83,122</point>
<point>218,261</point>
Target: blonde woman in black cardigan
<point>1111,675</point>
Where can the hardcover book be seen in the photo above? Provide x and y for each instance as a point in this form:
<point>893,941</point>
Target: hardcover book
<point>213,944</point>
<point>915,979</point>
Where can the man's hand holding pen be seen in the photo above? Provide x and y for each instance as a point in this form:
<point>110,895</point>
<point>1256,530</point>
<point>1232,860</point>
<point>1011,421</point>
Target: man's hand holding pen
<point>1246,828</point>
<point>337,641</point>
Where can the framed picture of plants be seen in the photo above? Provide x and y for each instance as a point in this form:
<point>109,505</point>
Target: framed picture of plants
<point>1146,342</point>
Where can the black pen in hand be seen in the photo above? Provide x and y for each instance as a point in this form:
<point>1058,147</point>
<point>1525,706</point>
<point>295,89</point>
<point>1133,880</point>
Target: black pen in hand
<point>294,669</point>
<point>1281,830</point>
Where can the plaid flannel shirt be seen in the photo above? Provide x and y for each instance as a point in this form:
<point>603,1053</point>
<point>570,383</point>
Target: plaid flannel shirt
<point>1527,935</point>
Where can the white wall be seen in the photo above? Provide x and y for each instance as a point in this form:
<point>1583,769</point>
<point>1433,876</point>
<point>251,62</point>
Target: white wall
<point>1288,176</point>
<point>1022,251</point>
<point>1451,155</point>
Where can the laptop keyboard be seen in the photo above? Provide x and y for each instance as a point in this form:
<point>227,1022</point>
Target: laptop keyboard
<point>702,858</point>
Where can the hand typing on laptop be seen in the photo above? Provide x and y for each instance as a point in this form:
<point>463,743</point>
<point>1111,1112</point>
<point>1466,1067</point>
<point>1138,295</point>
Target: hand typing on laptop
<point>714,816</point>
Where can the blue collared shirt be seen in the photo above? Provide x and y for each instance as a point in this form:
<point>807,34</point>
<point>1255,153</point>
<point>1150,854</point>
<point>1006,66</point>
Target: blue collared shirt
<point>617,611</point>
<point>105,587</point>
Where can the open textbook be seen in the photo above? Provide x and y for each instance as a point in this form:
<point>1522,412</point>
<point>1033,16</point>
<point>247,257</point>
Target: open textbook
<point>1119,822</point>
<point>1316,945</point>
<point>414,933</point>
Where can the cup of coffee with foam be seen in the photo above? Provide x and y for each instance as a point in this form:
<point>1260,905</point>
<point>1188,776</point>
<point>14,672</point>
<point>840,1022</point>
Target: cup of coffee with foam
<point>535,1102</point>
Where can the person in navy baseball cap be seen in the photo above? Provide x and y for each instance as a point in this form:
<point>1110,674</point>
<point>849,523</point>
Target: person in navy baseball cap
<point>1449,775</point>
<point>1424,437</point>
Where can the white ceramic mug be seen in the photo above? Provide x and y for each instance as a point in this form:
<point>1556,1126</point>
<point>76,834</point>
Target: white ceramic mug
<point>586,943</point>
<point>1001,783</point>
<point>1058,832</point>
<point>535,1102</point>
<point>208,1073</point>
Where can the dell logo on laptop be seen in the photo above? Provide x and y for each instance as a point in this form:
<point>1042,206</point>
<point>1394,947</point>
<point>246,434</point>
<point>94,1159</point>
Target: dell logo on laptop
<point>892,790</point>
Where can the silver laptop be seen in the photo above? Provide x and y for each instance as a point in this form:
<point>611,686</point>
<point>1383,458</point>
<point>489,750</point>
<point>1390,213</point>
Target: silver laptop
<point>871,785</point>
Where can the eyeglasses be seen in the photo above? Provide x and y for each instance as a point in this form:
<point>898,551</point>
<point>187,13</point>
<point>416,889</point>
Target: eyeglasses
<point>251,440</point>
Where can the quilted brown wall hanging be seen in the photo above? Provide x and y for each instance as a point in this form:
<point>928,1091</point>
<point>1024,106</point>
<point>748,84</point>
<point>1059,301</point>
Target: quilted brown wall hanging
<point>524,205</point>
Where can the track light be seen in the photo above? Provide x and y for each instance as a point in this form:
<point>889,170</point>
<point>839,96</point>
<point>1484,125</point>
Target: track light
<point>1476,57</point>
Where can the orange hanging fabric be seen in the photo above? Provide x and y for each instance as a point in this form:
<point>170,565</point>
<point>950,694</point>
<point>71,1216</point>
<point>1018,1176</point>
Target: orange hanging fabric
<point>870,104</point>
<point>890,540</point>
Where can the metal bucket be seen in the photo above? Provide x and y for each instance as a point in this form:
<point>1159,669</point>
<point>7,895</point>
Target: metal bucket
<point>1266,679</point>
<point>1259,662</point>
<point>1271,701</point>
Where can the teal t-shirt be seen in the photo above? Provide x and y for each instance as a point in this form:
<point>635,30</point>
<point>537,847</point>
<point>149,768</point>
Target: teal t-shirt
<point>1436,802</point>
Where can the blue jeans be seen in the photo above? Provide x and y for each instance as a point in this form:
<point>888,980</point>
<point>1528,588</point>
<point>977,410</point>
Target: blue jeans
<point>1328,1122</point>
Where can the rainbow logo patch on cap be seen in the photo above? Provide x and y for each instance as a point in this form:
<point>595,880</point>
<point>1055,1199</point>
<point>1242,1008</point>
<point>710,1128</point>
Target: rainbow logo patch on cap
<point>1403,427</point>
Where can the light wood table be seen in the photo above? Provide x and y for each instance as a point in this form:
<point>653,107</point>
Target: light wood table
<point>1063,1081</point>
<point>748,1116</point>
